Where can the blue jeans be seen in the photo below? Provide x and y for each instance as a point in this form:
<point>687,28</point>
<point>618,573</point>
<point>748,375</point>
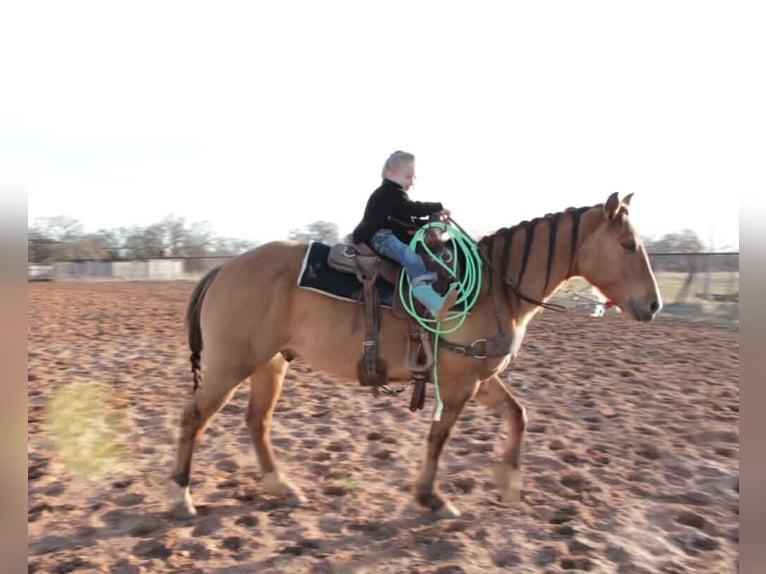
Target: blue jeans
<point>387,244</point>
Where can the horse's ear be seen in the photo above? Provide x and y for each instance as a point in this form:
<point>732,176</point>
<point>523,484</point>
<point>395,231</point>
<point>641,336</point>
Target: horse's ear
<point>611,206</point>
<point>626,199</point>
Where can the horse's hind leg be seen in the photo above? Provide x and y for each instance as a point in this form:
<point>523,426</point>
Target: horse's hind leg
<point>454,396</point>
<point>495,396</point>
<point>215,391</point>
<point>265,386</point>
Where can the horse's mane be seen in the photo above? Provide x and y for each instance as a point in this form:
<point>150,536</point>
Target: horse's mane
<point>532,223</point>
<point>487,243</point>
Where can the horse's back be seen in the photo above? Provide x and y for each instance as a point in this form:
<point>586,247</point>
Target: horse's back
<point>252,290</point>
<point>263,261</point>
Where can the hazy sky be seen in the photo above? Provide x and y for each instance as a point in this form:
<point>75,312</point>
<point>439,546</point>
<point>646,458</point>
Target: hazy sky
<point>260,117</point>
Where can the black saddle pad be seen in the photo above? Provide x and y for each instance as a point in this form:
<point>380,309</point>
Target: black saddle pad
<point>317,276</point>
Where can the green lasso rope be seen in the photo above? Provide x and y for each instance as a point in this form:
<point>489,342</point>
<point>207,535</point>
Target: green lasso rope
<point>468,289</point>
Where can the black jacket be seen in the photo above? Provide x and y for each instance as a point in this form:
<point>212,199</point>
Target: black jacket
<point>389,207</point>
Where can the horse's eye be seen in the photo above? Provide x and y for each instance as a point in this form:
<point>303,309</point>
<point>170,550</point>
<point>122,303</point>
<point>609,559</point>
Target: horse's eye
<point>630,245</point>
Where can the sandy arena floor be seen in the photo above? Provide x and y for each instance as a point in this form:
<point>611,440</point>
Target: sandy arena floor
<point>631,460</point>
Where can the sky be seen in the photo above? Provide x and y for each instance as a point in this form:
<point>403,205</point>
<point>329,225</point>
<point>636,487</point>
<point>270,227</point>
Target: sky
<point>261,117</point>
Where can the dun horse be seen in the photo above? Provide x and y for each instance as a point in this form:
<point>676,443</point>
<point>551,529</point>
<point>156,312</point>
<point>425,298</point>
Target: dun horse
<point>253,318</point>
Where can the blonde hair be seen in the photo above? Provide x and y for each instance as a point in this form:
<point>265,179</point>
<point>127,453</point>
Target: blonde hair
<point>395,159</point>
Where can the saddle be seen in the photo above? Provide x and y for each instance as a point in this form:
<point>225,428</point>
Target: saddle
<point>367,265</point>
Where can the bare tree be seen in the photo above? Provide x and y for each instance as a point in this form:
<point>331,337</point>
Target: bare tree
<point>59,228</point>
<point>42,250</point>
<point>62,237</point>
<point>323,231</point>
<point>685,241</point>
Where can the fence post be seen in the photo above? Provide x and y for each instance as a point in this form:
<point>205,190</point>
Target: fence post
<point>706,289</point>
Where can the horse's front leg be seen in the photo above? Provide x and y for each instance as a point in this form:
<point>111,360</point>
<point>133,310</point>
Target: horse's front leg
<point>455,394</point>
<point>496,397</point>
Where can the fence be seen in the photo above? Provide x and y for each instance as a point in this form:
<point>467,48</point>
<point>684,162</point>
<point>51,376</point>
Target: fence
<point>700,285</point>
<point>159,269</point>
<point>706,276</point>
<point>694,285</point>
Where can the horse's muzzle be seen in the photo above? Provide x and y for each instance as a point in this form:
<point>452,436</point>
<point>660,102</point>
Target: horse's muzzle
<point>644,312</point>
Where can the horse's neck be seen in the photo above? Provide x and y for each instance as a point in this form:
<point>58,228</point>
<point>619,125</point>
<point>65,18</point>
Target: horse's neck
<point>525,255</point>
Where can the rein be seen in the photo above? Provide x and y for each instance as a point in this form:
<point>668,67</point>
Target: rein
<point>510,283</point>
<point>494,346</point>
<point>498,345</point>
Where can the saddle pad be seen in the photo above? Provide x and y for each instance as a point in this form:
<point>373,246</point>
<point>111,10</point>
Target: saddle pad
<point>316,275</point>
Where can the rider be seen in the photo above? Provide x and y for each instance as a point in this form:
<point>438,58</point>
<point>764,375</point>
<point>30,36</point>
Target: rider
<point>387,218</point>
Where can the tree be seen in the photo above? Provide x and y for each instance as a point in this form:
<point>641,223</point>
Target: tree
<point>59,228</point>
<point>145,242</point>
<point>90,246</point>
<point>113,241</point>
<point>323,231</point>
<point>226,247</point>
<point>197,240</point>
<point>42,250</point>
<point>685,241</point>
<point>176,235</point>
<point>62,237</point>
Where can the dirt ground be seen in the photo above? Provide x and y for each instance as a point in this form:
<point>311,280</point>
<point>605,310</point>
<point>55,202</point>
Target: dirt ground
<point>630,465</point>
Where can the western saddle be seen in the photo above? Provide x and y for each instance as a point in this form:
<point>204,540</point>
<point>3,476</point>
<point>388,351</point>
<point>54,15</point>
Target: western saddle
<point>359,259</point>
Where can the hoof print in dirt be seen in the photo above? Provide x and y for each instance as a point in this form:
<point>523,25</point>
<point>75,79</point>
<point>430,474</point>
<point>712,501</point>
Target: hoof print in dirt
<point>622,474</point>
<point>579,564</point>
<point>146,526</point>
<point>72,565</point>
<point>545,556</point>
<point>233,543</point>
<point>161,547</point>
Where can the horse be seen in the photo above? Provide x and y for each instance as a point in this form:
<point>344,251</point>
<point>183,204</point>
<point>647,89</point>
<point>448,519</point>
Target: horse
<point>254,318</point>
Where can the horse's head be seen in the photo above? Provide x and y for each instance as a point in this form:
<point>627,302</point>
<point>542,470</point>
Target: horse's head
<point>613,259</point>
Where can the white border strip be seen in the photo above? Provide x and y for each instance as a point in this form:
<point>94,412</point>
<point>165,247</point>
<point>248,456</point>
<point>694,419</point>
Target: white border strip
<point>303,265</point>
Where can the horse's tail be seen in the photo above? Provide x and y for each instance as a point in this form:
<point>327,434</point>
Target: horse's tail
<point>193,312</point>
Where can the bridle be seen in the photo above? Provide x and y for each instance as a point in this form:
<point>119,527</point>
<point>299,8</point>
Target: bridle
<point>498,345</point>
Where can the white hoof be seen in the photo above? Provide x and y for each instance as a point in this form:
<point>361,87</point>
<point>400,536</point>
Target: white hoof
<point>276,485</point>
<point>181,504</point>
<point>449,510</point>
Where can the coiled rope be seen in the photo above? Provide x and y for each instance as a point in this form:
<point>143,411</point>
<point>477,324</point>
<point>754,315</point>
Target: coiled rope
<point>468,287</point>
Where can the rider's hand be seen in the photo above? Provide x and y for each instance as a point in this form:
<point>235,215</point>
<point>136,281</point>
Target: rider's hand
<point>445,212</point>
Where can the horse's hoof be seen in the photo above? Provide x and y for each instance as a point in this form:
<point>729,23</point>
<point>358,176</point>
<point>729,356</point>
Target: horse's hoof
<point>511,494</point>
<point>509,483</point>
<point>181,506</point>
<point>294,496</point>
<point>296,499</point>
<point>277,486</point>
<point>448,510</point>
<point>183,512</point>
<point>440,507</point>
